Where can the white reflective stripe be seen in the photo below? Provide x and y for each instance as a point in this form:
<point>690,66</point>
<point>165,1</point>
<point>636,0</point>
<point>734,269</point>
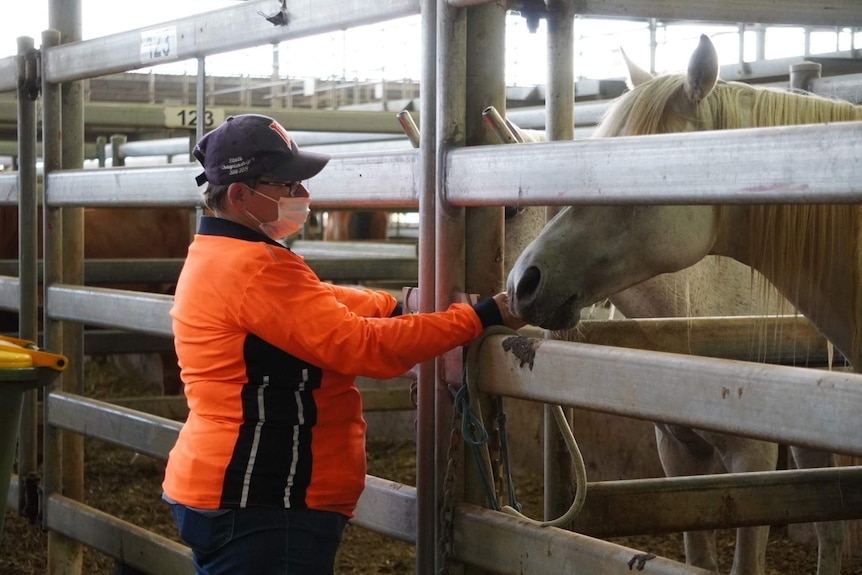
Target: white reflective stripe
<point>246,482</point>
<point>300,418</point>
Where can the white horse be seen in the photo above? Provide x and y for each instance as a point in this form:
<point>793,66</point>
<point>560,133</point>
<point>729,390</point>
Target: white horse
<point>604,258</point>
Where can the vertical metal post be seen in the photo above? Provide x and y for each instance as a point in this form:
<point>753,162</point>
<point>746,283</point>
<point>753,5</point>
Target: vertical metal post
<point>52,256</point>
<point>761,42</point>
<point>101,156</point>
<point>653,44</point>
<point>185,90</point>
<point>450,88</point>
<point>273,88</point>
<point>802,74</point>
<point>559,125</point>
<point>246,93</point>
<point>201,108</point>
<point>484,229</point>
<point>560,84</point>
<point>117,141</point>
<point>28,314</point>
<point>28,310</point>
<point>427,489</point>
<point>64,554</point>
<point>486,86</point>
<point>289,100</point>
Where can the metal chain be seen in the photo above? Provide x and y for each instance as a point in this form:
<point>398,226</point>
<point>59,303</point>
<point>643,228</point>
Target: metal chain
<point>448,508</point>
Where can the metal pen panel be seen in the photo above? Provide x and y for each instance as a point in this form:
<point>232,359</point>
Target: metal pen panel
<point>506,545</point>
<point>741,398</point>
<point>9,190</point>
<point>213,33</point>
<point>9,287</point>
<point>127,187</point>
<point>383,179</point>
<point>148,434</point>
<point>751,166</point>
<point>820,13</point>
<point>133,545</point>
<point>103,307</point>
<point>587,114</point>
<point>389,508</point>
<point>847,88</point>
<point>8,74</point>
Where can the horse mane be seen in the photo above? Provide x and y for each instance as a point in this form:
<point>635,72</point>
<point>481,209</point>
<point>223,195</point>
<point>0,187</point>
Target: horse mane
<point>649,109</point>
<point>787,238</point>
<point>784,237</point>
<point>640,111</point>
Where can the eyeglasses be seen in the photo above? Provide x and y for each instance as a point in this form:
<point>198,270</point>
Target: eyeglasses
<point>291,187</point>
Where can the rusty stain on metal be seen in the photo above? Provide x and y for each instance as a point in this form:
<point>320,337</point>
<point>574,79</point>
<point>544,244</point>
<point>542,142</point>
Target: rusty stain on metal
<point>725,392</point>
<point>522,348</point>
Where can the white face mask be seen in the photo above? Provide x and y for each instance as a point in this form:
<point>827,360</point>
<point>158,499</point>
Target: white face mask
<point>292,213</point>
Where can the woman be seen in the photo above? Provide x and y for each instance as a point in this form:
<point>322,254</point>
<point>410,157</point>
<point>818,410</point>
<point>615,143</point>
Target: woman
<point>269,466</point>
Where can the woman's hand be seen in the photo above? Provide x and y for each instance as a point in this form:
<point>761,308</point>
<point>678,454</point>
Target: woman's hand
<point>509,320</point>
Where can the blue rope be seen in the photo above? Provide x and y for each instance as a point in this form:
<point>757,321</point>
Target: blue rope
<point>475,435</point>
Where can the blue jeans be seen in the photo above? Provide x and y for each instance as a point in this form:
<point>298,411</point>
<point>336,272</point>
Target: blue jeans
<point>261,540</point>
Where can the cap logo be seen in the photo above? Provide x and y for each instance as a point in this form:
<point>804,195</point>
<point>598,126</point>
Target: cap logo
<point>278,129</point>
<point>236,166</point>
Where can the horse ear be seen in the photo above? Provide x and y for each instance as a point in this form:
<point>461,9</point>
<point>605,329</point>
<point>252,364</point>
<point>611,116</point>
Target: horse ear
<point>702,70</point>
<point>637,75</point>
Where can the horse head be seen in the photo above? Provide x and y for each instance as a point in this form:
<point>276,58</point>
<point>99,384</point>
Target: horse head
<point>588,253</point>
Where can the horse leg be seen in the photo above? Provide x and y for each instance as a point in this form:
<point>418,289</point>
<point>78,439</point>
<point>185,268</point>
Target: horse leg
<point>741,455</point>
<point>682,452</point>
<point>830,534</point>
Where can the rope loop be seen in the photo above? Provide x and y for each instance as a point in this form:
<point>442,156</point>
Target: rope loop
<point>476,436</point>
<point>471,369</point>
<point>472,429</point>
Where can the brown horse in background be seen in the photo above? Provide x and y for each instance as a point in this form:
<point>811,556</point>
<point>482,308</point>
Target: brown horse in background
<point>118,233</point>
<point>344,225</point>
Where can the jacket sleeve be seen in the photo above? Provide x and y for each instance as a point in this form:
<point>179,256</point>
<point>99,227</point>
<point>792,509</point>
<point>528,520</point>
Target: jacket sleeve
<point>365,302</point>
<point>309,322</point>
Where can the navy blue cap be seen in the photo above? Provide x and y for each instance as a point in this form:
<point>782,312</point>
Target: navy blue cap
<point>252,145</point>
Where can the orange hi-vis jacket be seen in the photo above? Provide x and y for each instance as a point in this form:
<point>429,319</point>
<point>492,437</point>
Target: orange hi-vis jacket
<point>268,356</point>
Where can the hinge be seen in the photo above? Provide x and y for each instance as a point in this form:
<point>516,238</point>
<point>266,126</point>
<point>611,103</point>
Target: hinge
<point>29,504</point>
<point>30,73</point>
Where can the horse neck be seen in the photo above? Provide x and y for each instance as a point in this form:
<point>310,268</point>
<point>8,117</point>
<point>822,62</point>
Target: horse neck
<point>811,254</point>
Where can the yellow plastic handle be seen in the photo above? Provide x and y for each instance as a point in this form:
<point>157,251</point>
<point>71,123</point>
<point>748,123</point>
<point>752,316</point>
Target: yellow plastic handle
<point>11,359</point>
<point>5,339</point>
<point>12,350</point>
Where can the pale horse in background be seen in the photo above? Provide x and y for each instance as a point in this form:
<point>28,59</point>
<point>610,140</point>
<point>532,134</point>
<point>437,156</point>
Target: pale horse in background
<point>603,259</point>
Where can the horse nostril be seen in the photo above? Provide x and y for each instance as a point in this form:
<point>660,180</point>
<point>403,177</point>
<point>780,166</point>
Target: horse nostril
<point>529,283</point>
